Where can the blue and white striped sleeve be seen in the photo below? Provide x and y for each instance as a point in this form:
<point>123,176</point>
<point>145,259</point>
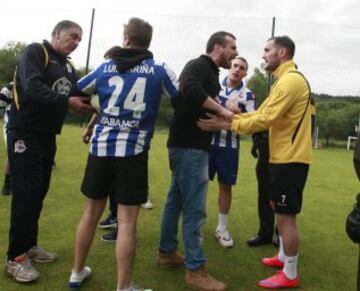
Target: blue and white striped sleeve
<point>87,84</point>
<point>170,82</point>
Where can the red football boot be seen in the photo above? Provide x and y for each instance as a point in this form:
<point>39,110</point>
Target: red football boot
<point>279,281</point>
<point>273,262</point>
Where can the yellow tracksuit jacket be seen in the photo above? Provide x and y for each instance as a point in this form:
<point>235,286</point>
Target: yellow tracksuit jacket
<point>281,113</point>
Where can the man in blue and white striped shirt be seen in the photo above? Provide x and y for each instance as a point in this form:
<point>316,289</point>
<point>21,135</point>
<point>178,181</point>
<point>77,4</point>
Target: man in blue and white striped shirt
<point>224,152</point>
<point>129,86</point>
<point>129,101</point>
<point>5,100</point>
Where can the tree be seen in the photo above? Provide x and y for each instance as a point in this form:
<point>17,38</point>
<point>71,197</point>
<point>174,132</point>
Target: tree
<point>8,57</point>
<point>258,85</point>
<point>81,71</point>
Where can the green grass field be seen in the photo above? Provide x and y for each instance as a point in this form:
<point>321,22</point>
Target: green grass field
<point>328,259</point>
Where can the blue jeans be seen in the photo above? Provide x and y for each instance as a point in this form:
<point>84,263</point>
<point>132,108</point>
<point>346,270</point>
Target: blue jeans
<point>187,194</point>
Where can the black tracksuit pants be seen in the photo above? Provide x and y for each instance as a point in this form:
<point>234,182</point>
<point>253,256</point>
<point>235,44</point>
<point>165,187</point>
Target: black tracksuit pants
<point>31,158</point>
<point>265,212</point>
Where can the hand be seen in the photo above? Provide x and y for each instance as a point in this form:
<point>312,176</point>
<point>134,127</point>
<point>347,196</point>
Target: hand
<point>225,114</point>
<point>214,123</point>
<point>80,104</point>
<point>233,106</point>
<point>255,150</point>
<point>87,135</point>
<point>257,139</point>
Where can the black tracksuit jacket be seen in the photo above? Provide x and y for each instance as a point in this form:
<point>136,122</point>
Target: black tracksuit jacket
<point>42,89</point>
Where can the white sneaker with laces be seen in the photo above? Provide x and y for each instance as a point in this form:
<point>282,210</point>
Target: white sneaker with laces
<point>134,288</point>
<point>147,205</point>
<point>77,278</point>
<point>22,269</point>
<point>39,255</point>
<point>224,238</point>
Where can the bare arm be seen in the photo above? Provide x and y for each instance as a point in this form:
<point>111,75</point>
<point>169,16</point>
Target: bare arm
<point>214,123</point>
<point>80,104</point>
<point>212,105</point>
<point>89,129</point>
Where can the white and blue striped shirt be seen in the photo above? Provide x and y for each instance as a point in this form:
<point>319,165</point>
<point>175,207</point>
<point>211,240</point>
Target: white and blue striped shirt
<point>129,104</point>
<point>245,99</point>
<point>7,92</point>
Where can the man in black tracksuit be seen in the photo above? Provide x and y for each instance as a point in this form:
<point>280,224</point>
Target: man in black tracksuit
<point>42,82</point>
<point>260,150</point>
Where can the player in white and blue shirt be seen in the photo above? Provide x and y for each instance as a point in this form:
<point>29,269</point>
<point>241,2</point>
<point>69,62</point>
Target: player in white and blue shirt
<point>129,103</point>
<point>245,101</point>
<point>224,152</point>
<point>129,85</point>
<point>5,102</point>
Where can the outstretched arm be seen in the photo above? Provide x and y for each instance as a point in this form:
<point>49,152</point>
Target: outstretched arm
<point>214,123</point>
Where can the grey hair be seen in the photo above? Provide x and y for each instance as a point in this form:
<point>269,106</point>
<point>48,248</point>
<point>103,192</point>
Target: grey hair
<point>63,25</point>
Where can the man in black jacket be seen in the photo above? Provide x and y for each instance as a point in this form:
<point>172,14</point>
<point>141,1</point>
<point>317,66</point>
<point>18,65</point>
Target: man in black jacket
<point>260,150</point>
<point>188,156</point>
<point>42,82</point>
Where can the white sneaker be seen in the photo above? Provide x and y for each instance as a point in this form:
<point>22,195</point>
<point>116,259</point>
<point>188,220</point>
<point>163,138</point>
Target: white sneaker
<point>134,288</point>
<point>147,205</point>
<point>21,269</point>
<point>39,255</point>
<point>224,238</point>
<point>76,278</point>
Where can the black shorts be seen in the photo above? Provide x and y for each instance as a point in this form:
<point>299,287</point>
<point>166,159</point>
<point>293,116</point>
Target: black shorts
<point>287,182</point>
<point>127,175</point>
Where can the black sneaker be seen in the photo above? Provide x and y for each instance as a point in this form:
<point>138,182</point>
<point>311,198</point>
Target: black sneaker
<point>6,189</point>
<point>259,240</point>
<point>109,222</point>
<point>110,236</point>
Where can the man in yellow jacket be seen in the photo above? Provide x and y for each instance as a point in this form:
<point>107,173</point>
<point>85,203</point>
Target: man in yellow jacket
<point>287,114</point>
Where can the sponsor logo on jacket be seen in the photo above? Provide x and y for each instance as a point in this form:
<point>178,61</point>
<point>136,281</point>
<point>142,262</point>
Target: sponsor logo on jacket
<point>62,86</point>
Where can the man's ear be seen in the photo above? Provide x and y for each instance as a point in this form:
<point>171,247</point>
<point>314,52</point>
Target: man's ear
<point>217,47</point>
<point>56,35</point>
<point>126,41</point>
<point>283,52</point>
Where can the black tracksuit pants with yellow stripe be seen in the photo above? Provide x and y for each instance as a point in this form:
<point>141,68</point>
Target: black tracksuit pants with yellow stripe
<point>31,158</point>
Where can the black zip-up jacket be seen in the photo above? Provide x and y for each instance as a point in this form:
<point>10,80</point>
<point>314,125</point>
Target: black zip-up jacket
<point>198,80</point>
<point>42,90</point>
